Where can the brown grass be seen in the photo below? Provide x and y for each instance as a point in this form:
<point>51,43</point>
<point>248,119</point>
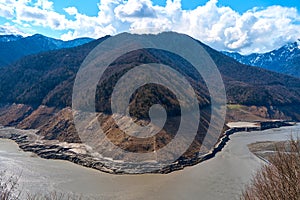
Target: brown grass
<point>279,180</point>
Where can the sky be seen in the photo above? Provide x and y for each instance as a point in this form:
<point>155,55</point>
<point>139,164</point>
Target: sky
<point>246,27</point>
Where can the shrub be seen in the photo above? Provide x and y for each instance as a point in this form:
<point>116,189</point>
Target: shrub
<point>280,179</point>
<point>9,191</point>
<point>8,187</point>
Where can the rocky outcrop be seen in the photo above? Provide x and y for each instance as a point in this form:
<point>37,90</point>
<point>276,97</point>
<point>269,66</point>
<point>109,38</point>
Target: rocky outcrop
<point>13,114</point>
<point>237,112</point>
<point>52,124</point>
<point>60,127</point>
<point>273,124</point>
<point>37,118</point>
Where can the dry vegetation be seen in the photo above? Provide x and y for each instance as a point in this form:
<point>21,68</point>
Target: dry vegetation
<point>8,187</point>
<point>279,180</point>
<point>9,191</point>
<point>53,196</point>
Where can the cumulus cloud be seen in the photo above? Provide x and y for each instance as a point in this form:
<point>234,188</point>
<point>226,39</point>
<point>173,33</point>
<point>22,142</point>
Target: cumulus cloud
<point>39,14</point>
<point>256,30</point>
<point>44,4</point>
<point>86,26</point>
<point>7,9</point>
<point>135,9</point>
<point>8,29</point>
<point>71,10</point>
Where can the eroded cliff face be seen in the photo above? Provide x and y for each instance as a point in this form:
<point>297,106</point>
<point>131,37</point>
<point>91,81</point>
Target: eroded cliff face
<point>60,127</point>
<point>110,162</point>
<point>54,124</point>
<point>12,115</point>
<point>51,123</point>
<point>37,118</point>
<point>261,113</point>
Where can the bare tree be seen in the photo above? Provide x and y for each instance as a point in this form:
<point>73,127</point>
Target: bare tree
<point>9,191</point>
<point>280,180</point>
<point>53,196</point>
<point>8,187</point>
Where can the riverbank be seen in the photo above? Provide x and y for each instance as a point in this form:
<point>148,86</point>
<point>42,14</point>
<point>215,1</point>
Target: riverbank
<point>222,177</point>
<point>79,154</point>
<point>236,127</point>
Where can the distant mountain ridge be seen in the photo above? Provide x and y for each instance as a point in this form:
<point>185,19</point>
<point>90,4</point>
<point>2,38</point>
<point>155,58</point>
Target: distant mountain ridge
<point>14,47</point>
<point>10,38</point>
<point>284,60</point>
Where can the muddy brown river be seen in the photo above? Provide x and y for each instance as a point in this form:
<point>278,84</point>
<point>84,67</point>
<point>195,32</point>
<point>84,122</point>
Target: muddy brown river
<point>222,177</point>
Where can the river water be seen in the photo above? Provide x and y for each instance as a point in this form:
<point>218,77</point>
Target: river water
<point>222,177</point>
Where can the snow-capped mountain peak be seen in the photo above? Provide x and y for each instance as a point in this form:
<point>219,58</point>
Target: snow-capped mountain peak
<point>285,59</point>
<point>298,43</point>
<point>292,46</point>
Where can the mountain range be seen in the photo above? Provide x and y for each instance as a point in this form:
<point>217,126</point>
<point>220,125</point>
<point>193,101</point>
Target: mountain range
<point>284,60</point>
<point>10,38</point>
<point>14,47</point>
<point>36,93</point>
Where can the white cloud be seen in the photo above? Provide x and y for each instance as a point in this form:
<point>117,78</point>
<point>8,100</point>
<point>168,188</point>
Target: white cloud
<point>39,14</point>
<point>71,10</point>
<point>44,4</point>
<point>7,9</point>
<point>86,26</point>
<point>133,9</point>
<point>8,29</point>
<point>257,30</point>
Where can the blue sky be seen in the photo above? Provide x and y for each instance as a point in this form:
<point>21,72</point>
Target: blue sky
<point>233,25</point>
<point>90,8</point>
<point>240,6</point>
